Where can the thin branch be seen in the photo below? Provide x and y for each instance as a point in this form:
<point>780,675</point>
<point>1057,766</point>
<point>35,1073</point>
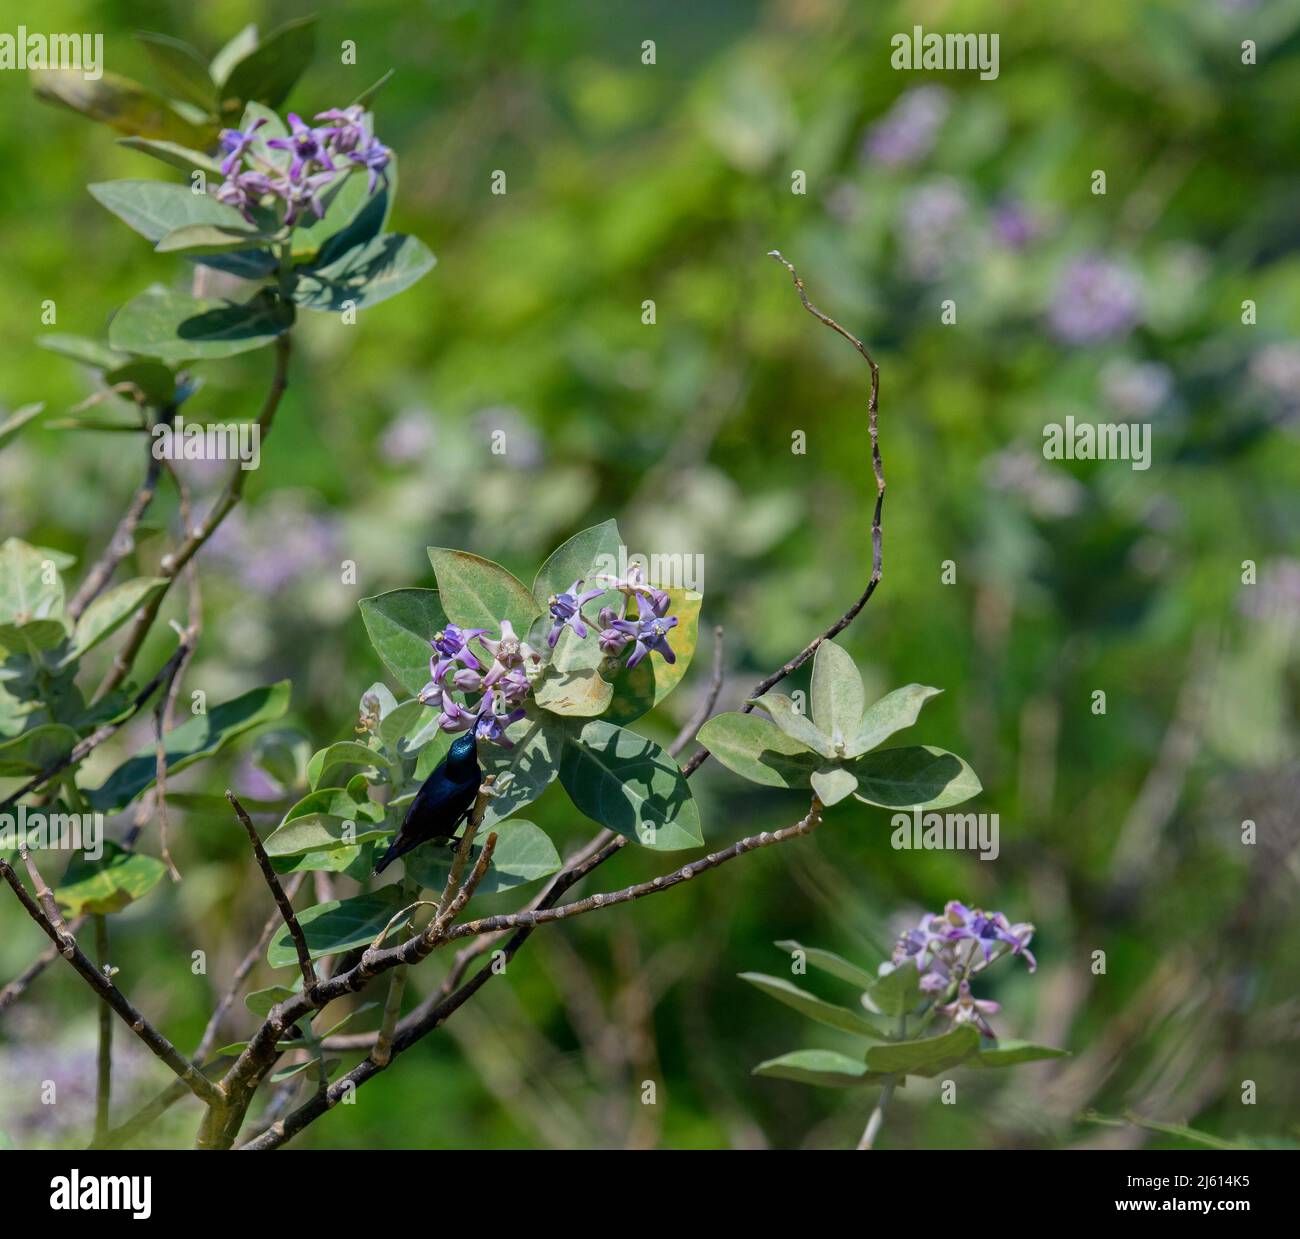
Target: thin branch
<point>877,537</point>
<point>710,699</point>
<point>666,881</point>
<point>309,977</point>
<point>198,1084</point>
<point>246,965</point>
<point>122,543</point>
<point>104,1090</point>
<point>172,563</point>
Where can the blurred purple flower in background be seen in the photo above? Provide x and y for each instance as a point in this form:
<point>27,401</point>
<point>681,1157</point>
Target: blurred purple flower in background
<point>932,227</point>
<point>407,437</point>
<point>1096,299</point>
<point>1136,388</point>
<point>906,133</point>
<point>1013,224</point>
<point>276,545</point>
<point>1276,594</point>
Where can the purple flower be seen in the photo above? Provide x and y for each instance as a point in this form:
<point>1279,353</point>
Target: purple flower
<point>451,645</point>
<point>308,146</point>
<point>374,157</point>
<point>566,611</point>
<point>508,653</point>
<point>300,195</point>
<point>906,133</point>
<point>243,191</point>
<point>513,687</point>
<point>234,143</point>
<point>612,641</point>
<point>1096,299</point>
<point>490,725</point>
<point>967,1009</point>
<point>349,128</point>
<point>933,227</point>
<point>651,634</point>
<point>1013,225</point>
<point>455,717</point>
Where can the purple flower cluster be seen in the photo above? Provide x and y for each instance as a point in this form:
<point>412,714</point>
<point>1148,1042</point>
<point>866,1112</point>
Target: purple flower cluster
<point>950,947</point>
<point>499,670</point>
<point>318,156</point>
<point>500,675</point>
<point>647,630</point>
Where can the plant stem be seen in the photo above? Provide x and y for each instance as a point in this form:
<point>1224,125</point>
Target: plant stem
<point>105,1037</point>
<point>877,1119</point>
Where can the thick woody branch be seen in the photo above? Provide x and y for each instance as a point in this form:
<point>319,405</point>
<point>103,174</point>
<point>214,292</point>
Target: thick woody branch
<point>198,1084</point>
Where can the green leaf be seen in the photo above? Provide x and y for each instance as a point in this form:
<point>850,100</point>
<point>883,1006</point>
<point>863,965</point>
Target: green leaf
<point>212,239</point>
<point>524,853</point>
<point>829,962</point>
<point>107,884</point>
<point>260,1002</point>
<point>36,749</point>
<point>107,613</point>
<point>757,750</point>
<point>176,327</point>
<point>173,154</point>
<point>121,103</point>
<point>584,555</point>
<point>897,991</point>
<point>928,1057</point>
<point>196,738</point>
<point>581,693</point>
<point>267,73</point>
<point>832,784</point>
<point>628,783</point>
<point>797,725</point>
<point>402,722</point>
<point>891,713</point>
<point>337,757</point>
<point>365,97</point>
<point>400,625</point>
<point>356,861</point>
<point>652,679</point>
<point>233,52</point>
<point>365,276</point>
<point>1009,1053</point>
<point>826,1068</point>
<point>340,925</point>
<point>828,1013</point>
<point>155,208</point>
<point>837,696</point>
<point>30,585</point>
<point>18,419</point>
<point>33,639</point>
<point>363,227</point>
<point>181,69</point>
<point>79,348</point>
<point>157,383</point>
<point>523,772</point>
<point>344,201</point>
<point>476,593</point>
<point>919,777</point>
<point>321,832</point>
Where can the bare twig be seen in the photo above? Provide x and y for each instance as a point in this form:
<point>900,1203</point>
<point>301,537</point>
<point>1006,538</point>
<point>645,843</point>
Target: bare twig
<point>309,978</point>
<point>710,699</point>
<point>607,899</point>
<point>198,1084</point>
<point>877,537</point>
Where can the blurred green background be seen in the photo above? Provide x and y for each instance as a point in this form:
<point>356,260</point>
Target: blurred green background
<point>1121,833</point>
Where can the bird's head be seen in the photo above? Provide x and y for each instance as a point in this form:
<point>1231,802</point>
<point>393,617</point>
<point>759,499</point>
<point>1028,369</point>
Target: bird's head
<point>464,751</point>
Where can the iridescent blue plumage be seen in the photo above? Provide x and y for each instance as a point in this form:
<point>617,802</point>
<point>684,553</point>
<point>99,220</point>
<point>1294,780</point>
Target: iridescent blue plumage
<point>445,798</point>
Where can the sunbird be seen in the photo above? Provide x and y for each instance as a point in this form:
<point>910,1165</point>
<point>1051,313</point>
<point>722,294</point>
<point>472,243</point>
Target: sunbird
<point>442,803</point>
